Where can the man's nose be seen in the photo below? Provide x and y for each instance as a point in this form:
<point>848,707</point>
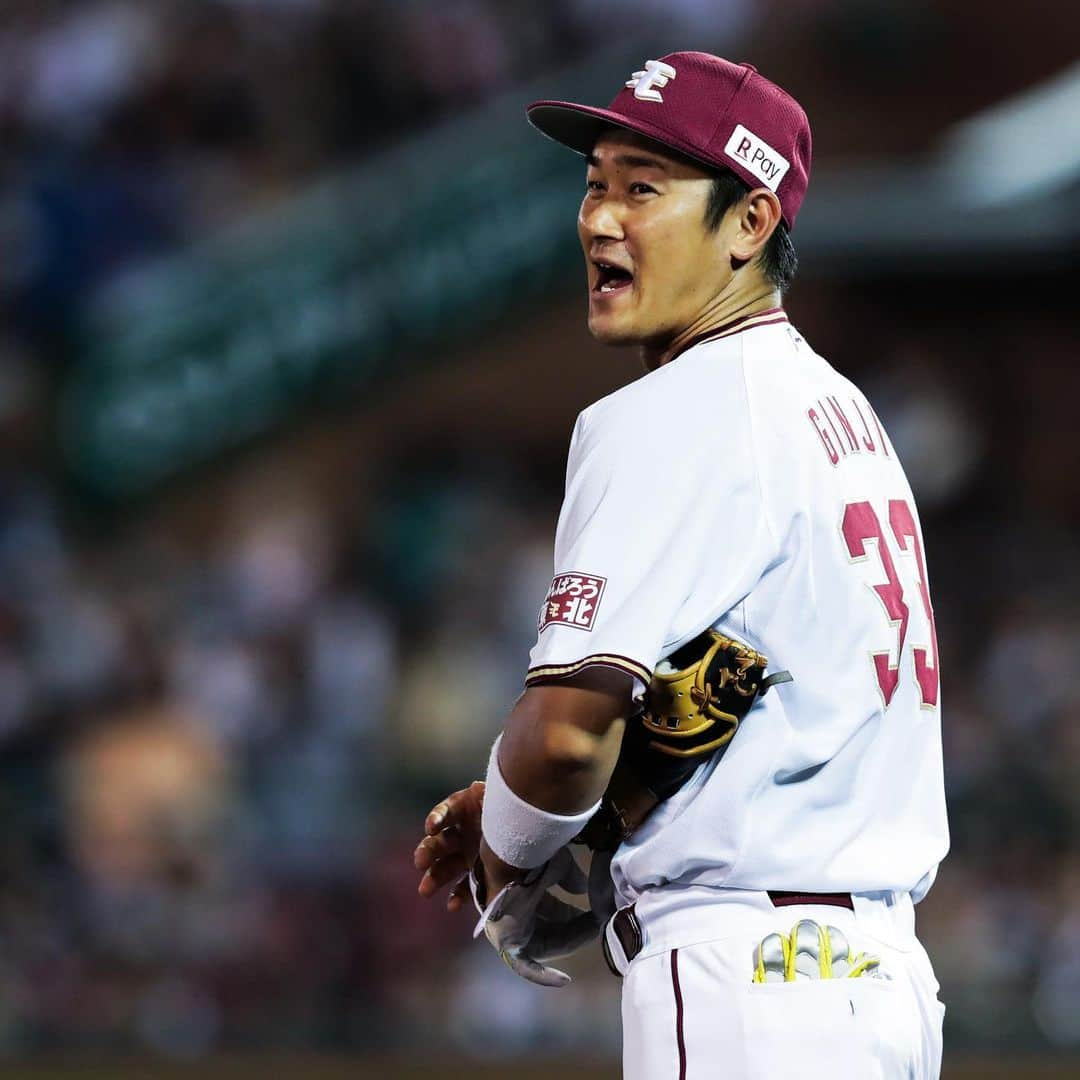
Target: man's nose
<point>600,220</point>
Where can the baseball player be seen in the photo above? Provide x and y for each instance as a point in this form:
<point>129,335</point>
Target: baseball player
<point>738,507</point>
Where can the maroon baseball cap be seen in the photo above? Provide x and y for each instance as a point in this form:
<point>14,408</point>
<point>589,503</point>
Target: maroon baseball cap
<point>722,114</point>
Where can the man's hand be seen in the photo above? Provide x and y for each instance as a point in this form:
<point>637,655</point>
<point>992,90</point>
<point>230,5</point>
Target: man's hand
<point>451,845</point>
<point>526,926</point>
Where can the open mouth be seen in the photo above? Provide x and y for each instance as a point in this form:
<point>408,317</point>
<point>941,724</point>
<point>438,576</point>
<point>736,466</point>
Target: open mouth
<point>611,278</point>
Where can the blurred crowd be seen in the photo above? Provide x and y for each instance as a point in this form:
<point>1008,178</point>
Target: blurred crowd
<point>129,129</point>
<point>216,754</point>
<point>218,739</point>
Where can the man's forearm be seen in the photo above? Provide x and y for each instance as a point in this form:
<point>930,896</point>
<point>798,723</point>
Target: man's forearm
<point>556,765</point>
<point>558,750</point>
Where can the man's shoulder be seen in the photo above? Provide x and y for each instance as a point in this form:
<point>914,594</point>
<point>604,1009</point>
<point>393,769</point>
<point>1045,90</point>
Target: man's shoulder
<point>779,364</point>
<point>775,348</point>
<point>626,404</point>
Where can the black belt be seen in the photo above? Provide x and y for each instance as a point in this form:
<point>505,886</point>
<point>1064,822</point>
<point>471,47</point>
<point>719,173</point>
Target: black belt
<point>627,929</point>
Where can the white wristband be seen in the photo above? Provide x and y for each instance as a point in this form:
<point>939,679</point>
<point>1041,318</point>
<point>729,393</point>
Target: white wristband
<point>520,834</point>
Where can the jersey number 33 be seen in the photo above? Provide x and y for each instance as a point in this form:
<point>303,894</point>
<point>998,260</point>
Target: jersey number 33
<point>862,529</point>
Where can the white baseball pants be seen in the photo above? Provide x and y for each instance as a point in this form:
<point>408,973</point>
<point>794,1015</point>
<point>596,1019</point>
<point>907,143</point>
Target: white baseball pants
<point>690,1010</point>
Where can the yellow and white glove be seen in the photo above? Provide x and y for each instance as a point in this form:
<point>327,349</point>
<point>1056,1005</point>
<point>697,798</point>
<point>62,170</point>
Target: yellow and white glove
<point>811,951</point>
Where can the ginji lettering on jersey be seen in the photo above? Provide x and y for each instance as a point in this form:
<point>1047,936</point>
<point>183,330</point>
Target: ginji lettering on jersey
<point>843,428</point>
<point>572,600</point>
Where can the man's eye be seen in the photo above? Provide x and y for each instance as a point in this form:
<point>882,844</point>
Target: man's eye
<point>594,185</point>
<point>641,188</point>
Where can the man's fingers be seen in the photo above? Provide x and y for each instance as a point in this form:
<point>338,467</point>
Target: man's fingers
<point>438,817</point>
<point>455,809</point>
<point>460,896</point>
<point>442,873</point>
<point>452,838</point>
<point>433,848</point>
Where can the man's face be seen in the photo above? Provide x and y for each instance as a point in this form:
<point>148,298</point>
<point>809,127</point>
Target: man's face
<point>653,267</point>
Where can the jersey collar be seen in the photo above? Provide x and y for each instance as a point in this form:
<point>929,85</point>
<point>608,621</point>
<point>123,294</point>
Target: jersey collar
<point>736,326</point>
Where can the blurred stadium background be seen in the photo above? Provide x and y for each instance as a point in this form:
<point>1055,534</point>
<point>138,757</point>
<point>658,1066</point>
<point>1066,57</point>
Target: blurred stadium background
<point>291,346</point>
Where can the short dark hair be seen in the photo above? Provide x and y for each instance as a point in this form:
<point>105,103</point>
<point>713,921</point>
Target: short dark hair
<point>777,259</point>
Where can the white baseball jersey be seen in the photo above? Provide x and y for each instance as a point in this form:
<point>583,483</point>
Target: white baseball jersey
<point>746,485</point>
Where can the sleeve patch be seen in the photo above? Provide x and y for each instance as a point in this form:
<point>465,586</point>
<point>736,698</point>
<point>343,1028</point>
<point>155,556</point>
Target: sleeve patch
<point>572,600</point>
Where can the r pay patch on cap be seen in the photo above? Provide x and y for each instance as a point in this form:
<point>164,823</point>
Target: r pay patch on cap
<point>757,156</point>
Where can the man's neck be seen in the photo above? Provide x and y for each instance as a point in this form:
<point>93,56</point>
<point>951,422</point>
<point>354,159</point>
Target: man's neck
<point>723,311</point>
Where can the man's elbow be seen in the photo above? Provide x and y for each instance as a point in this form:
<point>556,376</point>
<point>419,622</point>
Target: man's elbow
<point>568,750</point>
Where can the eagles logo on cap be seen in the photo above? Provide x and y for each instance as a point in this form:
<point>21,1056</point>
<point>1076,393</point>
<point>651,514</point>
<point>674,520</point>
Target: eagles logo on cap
<point>656,74</point>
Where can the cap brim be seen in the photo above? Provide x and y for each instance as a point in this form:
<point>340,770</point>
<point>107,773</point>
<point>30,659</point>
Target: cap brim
<point>577,126</point>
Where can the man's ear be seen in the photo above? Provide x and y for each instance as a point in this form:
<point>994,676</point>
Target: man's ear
<point>759,214</point>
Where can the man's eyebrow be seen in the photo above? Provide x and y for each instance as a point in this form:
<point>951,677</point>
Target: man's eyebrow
<point>639,161</point>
